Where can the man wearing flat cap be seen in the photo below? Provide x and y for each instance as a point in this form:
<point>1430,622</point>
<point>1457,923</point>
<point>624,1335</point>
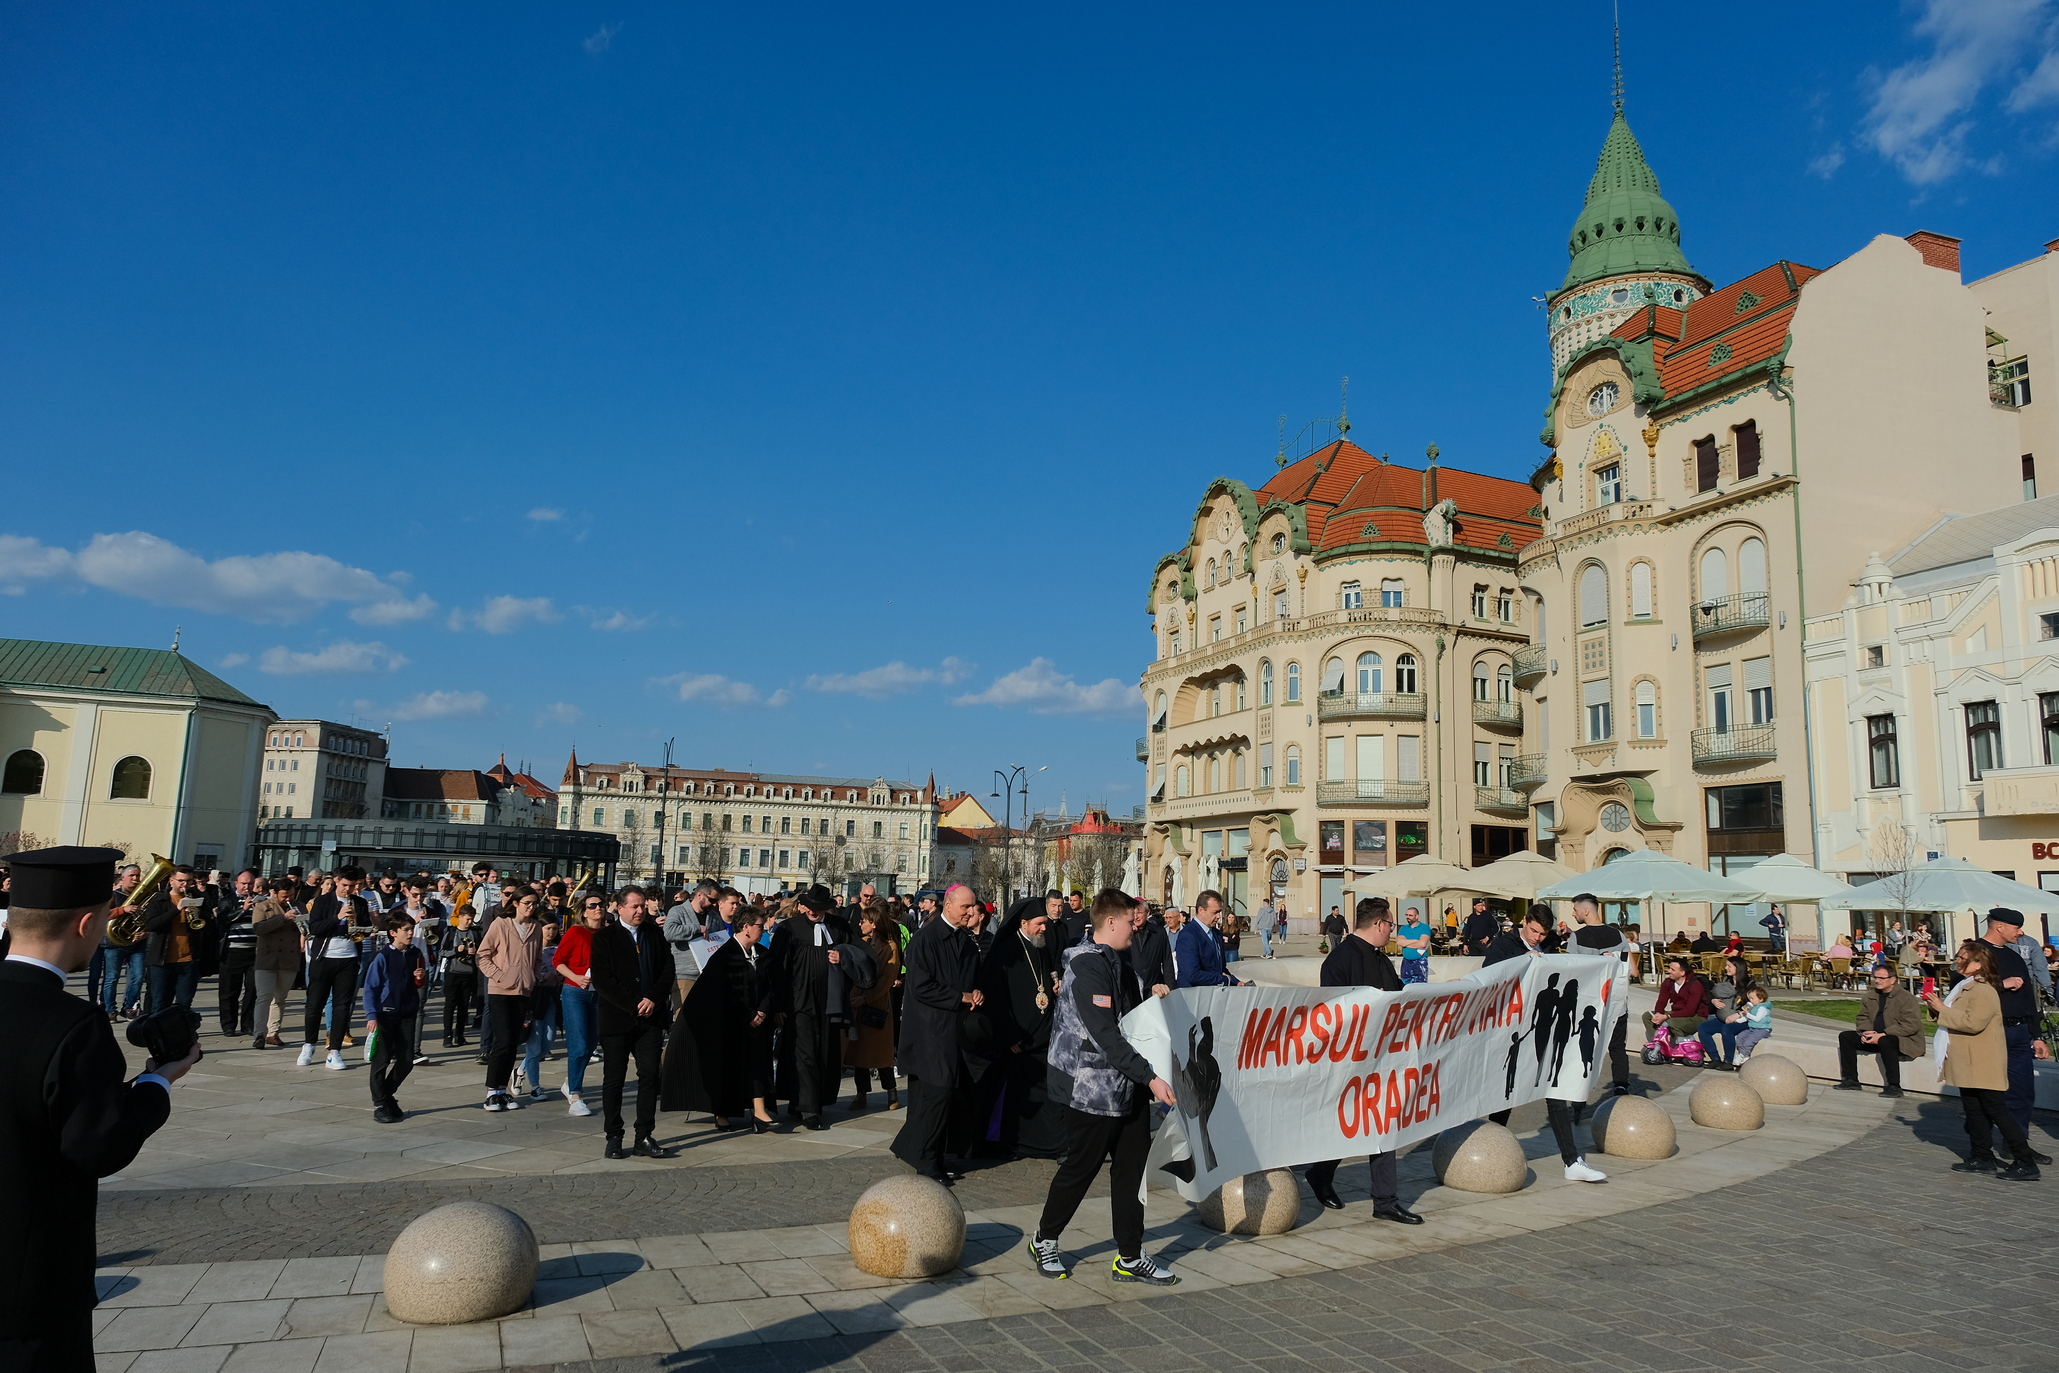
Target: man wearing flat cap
<point>67,1117</point>
<point>2017,987</point>
<point>811,1057</point>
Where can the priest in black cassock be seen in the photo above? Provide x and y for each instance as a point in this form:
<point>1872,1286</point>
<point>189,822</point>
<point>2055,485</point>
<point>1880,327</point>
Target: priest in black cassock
<point>811,1050</point>
<point>67,1117</point>
<point>1019,977</point>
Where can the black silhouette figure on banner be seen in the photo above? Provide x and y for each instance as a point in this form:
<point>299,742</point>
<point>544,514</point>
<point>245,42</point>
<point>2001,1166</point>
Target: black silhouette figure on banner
<point>1508,1090</point>
<point>1198,1083</point>
<point>1562,1028</point>
<point>1590,1038</point>
<point>1541,1017</point>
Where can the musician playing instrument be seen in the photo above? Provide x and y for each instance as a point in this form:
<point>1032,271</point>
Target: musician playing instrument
<point>176,921</point>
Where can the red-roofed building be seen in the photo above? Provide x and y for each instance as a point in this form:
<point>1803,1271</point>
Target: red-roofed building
<point>1332,686</point>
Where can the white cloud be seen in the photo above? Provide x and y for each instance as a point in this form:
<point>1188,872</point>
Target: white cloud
<point>563,712</point>
<point>612,620</point>
<point>2041,87</point>
<point>1826,165</point>
<point>234,660</point>
<point>601,39</point>
<point>890,679</point>
<point>441,705</point>
<point>1047,691</point>
<point>506,614</point>
<point>1920,116</point>
<point>543,514</point>
<point>339,657</point>
<point>276,588</point>
<point>723,691</point>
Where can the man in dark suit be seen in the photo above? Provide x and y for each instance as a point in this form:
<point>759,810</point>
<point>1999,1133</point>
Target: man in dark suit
<point>1199,949</point>
<point>1150,952</point>
<point>632,982</point>
<point>940,976</point>
<point>1361,961</point>
<point>1527,940</point>
<point>67,1118</point>
<point>811,1048</point>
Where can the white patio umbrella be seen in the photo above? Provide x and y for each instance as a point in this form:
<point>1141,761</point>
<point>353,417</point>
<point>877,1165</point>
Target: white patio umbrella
<point>1784,877</point>
<point>1648,875</point>
<point>1943,884</point>
<point>1422,875</point>
<point>1521,873</point>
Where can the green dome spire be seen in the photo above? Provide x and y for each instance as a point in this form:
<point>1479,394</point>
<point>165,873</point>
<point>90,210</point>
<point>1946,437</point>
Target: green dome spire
<point>1626,226</point>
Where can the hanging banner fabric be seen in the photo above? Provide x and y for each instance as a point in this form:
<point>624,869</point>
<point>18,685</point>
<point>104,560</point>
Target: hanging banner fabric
<point>1273,1077</point>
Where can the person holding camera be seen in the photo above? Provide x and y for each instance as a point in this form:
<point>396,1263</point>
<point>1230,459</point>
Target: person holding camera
<point>67,1116</point>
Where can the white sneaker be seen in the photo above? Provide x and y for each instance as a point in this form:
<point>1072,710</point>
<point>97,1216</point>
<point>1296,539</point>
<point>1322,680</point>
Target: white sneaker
<point>335,1060</point>
<point>496,1102</point>
<point>307,1056</point>
<point>576,1107</point>
<point>1578,1171</point>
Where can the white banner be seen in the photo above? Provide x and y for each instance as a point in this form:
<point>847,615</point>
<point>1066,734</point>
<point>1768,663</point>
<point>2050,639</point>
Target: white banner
<point>1272,1077</point>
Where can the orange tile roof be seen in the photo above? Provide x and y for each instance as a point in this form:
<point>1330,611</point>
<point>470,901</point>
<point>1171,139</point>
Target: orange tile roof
<point>1350,496</point>
<point>1731,330</point>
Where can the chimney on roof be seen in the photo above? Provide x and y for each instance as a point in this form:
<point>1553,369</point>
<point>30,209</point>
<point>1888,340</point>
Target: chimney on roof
<point>2053,246</point>
<point>1939,250</point>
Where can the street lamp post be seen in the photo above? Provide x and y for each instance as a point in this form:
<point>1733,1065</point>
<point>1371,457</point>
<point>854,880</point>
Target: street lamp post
<point>1005,782</point>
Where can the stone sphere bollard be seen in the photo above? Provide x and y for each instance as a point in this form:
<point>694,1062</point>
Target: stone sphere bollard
<point>1778,1081</point>
<point>468,1261</point>
<point>908,1227</point>
<point>1267,1203</point>
<point>1632,1127</point>
<point>1721,1102</point>
<point>1480,1156</point>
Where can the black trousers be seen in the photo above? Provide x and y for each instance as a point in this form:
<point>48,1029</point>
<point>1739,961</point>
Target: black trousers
<point>332,980</point>
<point>2022,1095</point>
<point>460,994</point>
<point>1619,1051</point>
<point>507,1018</point>
<point>920,1144</point>
<point>1561,1115</point>
<point>236,992</point>
<point>394,1057</point>
<point>1888,1050</point>
<point>1987,1108</point>
<point>818,1060</point>
<point>1386,1178</point>
<point>646,1045</point>
<point>65,1345</point>
<point>861,1079</point>
<point>1088,1140</point>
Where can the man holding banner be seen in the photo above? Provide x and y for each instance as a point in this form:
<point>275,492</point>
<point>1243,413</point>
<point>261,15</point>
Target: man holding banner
<point>1361,961</point>
<point>1551,1019</point>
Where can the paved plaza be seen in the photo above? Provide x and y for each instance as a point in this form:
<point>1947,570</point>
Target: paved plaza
<point>250,1234</point>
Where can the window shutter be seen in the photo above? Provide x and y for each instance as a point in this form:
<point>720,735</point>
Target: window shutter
<point>1596,693</point>
<point>1483,753</point>
<point>1410,749</point>
<point>1747,449</point>
<point>1758,672</point>
<point>1718,675</point>
<point>1372,757</point>
<point>1706,464</point>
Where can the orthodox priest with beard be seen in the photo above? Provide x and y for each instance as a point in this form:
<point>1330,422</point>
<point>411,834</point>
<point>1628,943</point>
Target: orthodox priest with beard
<point>1020,978</point>
<point>803,955</point>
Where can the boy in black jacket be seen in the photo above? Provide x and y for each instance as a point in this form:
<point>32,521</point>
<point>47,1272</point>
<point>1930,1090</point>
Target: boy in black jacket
<point>393,997</point>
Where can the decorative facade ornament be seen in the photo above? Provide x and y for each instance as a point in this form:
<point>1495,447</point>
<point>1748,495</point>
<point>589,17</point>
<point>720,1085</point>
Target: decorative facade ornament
<point>1438,524</point>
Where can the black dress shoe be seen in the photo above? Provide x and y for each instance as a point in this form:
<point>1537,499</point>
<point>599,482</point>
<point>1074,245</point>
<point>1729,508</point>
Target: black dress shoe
<point>1329,1198</point>
<point>813,1123</point>
<point>646,1147</point>
<point>1980,1163</point>
<point>1397,1213</point>
<point>615,1149</point>
<point>1848,1085</point>
<point>2041,1160</point>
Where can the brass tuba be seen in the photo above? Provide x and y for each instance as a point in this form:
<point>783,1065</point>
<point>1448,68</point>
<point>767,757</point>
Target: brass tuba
<point>127,928</point>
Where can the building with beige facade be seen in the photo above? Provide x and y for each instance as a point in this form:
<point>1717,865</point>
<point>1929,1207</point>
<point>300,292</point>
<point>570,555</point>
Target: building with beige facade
<point>1725,459</point>
<point>1333,685</point>
<point>320,770</point>
<point>137,748</point>
<point>1935,692</point>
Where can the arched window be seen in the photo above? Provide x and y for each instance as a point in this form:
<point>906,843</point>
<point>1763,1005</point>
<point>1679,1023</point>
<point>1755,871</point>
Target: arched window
<point>1751,567</point>
<point>1481,678</point>
<point>1215,699</point>
<point>1368,672</point>
<point>1265,683</point>
<point>1715,575</point>
<point>1240,693</point>
<point>1180,780</point>
<point>1333,677</point>
<point>1405,674</point>
<point>1647,711</point>
<point>1505,684</point>
<point>1293,765</point>
<point>1640,591</point>
<point>1594,596</point>
<point>1279,544</point>
<point>1158,715</point>
<point>296,741</point>
<point>1294,683</point>
<point>1215,773</point>
<point>24,774</point>
<point>131,780</point>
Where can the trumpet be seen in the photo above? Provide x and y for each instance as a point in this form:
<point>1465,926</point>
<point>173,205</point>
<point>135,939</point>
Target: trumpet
<point>127,928</point>
<point>572,892</point>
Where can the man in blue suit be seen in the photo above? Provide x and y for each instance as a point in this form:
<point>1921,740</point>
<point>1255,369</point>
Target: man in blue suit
<point>1199,950</point>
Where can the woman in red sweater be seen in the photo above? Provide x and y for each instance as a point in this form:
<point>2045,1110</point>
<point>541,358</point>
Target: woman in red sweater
<point>575,1000</point>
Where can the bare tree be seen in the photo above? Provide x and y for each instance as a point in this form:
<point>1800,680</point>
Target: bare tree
<point>635,856</point>
<point>1895,856</point>
<point>23,841</point>
<point>714,858</point>
<point>823,865</point>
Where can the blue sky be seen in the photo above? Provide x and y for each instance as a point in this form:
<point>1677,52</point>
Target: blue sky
<point>817,385</point>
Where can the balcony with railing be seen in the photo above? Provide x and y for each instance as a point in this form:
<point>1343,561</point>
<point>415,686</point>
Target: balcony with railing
<point>1498,714</point>
<point>1531,661</point>
<point>1715,748</point>
<point>1501,800</point>
<point>1727,614</point>
<point>1380,705</point>
<point>1143,748</point>
<point>1372,791</point>
<point>1526,771</point>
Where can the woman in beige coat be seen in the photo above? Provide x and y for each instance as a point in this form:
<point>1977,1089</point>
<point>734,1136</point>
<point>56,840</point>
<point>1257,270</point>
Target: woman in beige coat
<point>1976,1061</point>
<point>510,962</point>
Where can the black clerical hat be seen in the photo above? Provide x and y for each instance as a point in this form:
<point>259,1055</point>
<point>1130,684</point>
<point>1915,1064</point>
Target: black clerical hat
<point>816,899</point>
<point>69,878</point>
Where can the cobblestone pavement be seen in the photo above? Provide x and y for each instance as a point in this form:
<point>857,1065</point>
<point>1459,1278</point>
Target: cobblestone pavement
<point>1872,1258</point>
